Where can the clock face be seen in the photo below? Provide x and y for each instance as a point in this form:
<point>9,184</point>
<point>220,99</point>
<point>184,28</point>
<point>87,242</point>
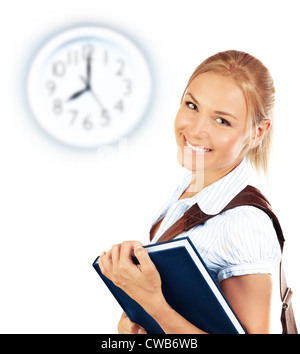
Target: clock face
<point>89,86</point>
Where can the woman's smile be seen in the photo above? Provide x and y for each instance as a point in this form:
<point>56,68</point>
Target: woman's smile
<point>195,148</point>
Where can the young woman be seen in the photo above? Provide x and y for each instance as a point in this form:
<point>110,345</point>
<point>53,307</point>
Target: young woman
<point>223,123</point>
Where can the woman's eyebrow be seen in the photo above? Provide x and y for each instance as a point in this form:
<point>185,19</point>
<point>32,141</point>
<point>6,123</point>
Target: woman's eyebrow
<point>216,112</point>
<point>193,98</point>
<point>225,114</point>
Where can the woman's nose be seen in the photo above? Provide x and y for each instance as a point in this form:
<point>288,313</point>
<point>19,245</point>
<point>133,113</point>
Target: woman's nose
<point>199,129</point>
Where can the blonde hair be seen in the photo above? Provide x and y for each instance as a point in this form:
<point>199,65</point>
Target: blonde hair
<point>256,82</point>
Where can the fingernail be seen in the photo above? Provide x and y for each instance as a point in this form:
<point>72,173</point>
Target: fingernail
<point>137,245</point>
<point>102,254</point>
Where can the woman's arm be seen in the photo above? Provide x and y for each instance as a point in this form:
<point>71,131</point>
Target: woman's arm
<point>250,295</point>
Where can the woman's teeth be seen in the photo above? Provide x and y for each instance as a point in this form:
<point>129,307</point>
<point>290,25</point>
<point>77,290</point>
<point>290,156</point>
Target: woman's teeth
<point>197,148</point>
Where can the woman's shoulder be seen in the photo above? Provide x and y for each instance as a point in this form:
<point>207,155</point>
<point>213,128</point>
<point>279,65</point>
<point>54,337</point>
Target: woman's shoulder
<point>247,243</point>
<point>248,219</point>
<point>249,230</point>
<point>246,212</point>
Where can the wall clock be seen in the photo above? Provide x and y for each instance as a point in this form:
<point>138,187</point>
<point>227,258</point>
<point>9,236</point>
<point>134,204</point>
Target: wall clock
<point>89,86</point>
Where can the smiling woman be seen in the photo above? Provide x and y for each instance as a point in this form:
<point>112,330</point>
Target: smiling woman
<point>204,120</point>
<point>224,121</point>
<point>256,84</point>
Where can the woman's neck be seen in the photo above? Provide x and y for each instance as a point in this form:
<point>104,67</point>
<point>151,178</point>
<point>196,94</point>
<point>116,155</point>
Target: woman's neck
<point>203,178</point>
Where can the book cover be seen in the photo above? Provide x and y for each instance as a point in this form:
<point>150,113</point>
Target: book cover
<point>188,288</point>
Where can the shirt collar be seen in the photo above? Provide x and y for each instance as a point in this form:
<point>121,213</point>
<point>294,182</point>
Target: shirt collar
<point>216,196</point>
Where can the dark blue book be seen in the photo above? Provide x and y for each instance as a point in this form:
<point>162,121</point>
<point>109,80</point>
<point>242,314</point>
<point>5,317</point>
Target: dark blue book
<point>188,287</point>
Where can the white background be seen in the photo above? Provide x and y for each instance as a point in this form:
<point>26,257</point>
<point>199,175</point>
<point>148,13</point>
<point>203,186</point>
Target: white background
<point>61,207</point>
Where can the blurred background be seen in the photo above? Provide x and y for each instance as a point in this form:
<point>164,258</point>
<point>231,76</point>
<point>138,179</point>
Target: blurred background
<point>62,206</point>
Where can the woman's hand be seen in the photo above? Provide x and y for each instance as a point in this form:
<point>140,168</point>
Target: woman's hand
<point>141,282</point>
<point>125,326</point>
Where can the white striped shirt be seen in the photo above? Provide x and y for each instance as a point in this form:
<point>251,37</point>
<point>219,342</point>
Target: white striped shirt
<point>237,242</point>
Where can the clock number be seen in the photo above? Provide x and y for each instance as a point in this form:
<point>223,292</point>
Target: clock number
<point>72,57</point>
<point>59,69</point>
<point>50,85</point>
<point>105,115</point>
<point>128,87</point>
<point>87,124</point>
<point>74,116</point>
<point>120,105</point>
<point>105,57</point>
<point>57,107</point>
<point>87,51</point>
<point>121,67</point>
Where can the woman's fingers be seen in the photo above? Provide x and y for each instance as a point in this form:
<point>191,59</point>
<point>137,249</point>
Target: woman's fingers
<point>115,256</point>
<point>146,265</point>
<point>125,326</point>
<point>117,263</point>
<point>126,253</point>
<point>105,263</point>
<point>142,283</point>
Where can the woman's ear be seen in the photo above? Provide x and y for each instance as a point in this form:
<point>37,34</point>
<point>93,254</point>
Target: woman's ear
<point>259,132</point>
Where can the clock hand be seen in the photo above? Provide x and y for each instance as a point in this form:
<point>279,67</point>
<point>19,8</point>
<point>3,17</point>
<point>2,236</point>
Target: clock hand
<point>87,81</point>
<point>97,99</point>
<point>77,94</point>
<point>104,112</point>
<point>88,71</point>
<point>88,88</point>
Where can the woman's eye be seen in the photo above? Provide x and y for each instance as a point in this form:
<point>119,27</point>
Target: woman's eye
<point>223,121</point>
<point>191,105</point>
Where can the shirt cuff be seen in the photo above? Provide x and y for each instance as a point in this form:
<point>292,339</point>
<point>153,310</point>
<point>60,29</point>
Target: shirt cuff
<point>246,269</point>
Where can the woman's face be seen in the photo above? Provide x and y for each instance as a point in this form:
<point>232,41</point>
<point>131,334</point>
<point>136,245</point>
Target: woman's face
<point>211,125</point>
